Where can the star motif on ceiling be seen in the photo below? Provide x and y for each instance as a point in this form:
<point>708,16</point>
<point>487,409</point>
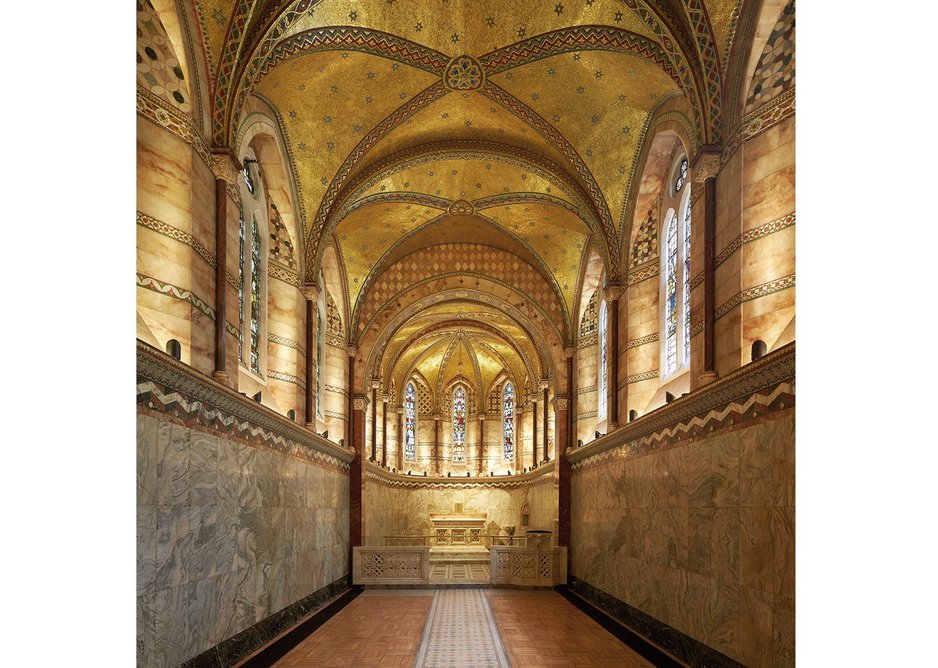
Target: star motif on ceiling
<point>292,114</point>
<point>327,119</point>
<point>618,17</point>
<point>431,173</point>
<point>598,74</point>
<point>558,8</point>
<point>622,169</point>
<point>522,31</point>
<point>626,130</point>
<point>490,21</point>
<point>368,99</point>
<point>352,16</point>
<point>621,98</point>
<point>595,118</point>
<point>330,144</point>
<point>356,128</point>
<point>324,181</point>
<point>551,71</point>
<point>402,95</point>
<point>580,90</point>
<point>345,55</point>
<point>535,96</point>
<point>407,185</point>
<point>555,118</point>
<point>302,146</point>
<point>454,37</point>
<point>371,75</point>
<point>468,124</point>
<point>418,26</point>
<point>445,114</point>
<point>333,88</point>
<point>394,66</point>
<point>509,75</point>
<point>589,3</point>
<point>576,56</point>
<point>589,153</point>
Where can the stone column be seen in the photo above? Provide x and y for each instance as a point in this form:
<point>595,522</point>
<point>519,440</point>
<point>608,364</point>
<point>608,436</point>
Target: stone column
<point>481,443</point>
<point>375,384</point>
<point>401,433</point>
<point>545,387</point>
<point>437,461</point>
<point>356,404</point>
<point>385,398</point>
<point>311,293</point>
<point>705,166</point>
<point>613,294</point>
<point>562,440</point>
<point>225,166</point>
<point>533,429</point>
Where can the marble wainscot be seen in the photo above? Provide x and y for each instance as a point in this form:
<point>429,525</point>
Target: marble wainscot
<point>242,518</point>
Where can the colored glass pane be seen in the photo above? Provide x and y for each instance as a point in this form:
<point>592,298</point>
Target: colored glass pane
<point>603,318</point>
<point>670,296</point>
<point>255,295</point>
<point>686,252</point>
<point>410,423</point>
<point>681,176</point>
<point>459,425</point>
<point>508,422</point>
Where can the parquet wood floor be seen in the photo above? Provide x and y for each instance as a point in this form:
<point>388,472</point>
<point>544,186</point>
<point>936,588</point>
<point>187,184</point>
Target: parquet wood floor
<point>541,628</point>
<point>371,632</point>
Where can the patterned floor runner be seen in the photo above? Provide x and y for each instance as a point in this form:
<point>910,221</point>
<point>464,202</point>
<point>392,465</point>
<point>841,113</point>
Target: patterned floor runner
<point>460,633</point>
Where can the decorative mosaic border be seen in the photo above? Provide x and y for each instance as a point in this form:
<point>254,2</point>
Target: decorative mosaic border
<point>587,342</point>
<point>285,377</point>
<point>167,230</point>
<point>283,273</point>
<point>287,343</point>
<point>752,235</point>
<point>171,388</point>
<point>643,273</point>
<point>336,390</point>
<point>635,343</point>
<point>760,387</point>
<point>542,474</point>
<point>639,377</point>
<point>169,118</point>
<point>174,291</point>
<point>696,280</point>
<point>585,390</point>
<point>755,292</point>
<point>587,415</point>
<point>755,123</point>
<point>337,416</point>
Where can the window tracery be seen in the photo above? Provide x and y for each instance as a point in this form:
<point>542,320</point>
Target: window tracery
<point>410,423</point>
<point>459,425</point>
<point>670,296</point>
<point>603,360</point>
<point>508,422</point>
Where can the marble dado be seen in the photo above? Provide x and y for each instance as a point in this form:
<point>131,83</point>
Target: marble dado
<point>756,389</point>
<point>168,387</point>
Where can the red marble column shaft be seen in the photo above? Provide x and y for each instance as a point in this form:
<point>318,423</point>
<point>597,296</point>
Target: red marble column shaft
<point>384,434</point>
<point>709,257</point>
<point>221,286</point>
<point>545,456</point>
<point>311,365</point>
<point>534,434</point>
<point>356,468</point>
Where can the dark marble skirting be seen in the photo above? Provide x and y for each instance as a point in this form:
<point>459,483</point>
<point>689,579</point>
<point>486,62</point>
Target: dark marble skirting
<point>251,639</point>
<point>683,647</point>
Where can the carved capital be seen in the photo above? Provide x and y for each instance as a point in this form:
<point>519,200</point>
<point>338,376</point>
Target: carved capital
<point>376,383</point>
<point>560,403</point>
<point>569,351</point>
<point>613,291</point>
<point>225,165</point>
<point>359,402</point>
<point>351,350</point>
<point>706,163</point>
<point>544,384</point>
<point>310,292</point>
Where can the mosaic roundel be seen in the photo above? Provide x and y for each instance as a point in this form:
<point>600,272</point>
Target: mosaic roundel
<point>461,206</point>
<point>464,73</point>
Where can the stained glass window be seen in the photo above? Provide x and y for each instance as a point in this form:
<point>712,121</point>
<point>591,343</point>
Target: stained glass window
<point>459,425</point>
<point>681,176</point>
<point>255,295</point>
<point>319,362</point>
<point>603,364</point>
<point>670,296</point>
<point>508,421</point>
<point>241,284</point>
<point>410,423</point>
<point>686,252</point>
<point>248,181</point>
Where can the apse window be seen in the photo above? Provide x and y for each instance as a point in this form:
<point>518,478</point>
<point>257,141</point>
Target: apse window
<point>508,422</point>
<point>603,361</point>
<point>459,425</point>
<point>680,175</point>
<point>410,423</point>
<point>676,289</point>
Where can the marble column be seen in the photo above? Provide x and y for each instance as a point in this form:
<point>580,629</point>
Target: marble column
<point>225,166</point>
<point>357,404</point>
<point>565,440</point>
<point>401,435</point>
<point>613,294</point>
<point>533,430</point>
<point>385,398</point>
<point>705,167</point>
<point>375,384</point>
<point>311,293</point>
<point>437,461</point>
<point>481,443</point>
<point>545,388</point>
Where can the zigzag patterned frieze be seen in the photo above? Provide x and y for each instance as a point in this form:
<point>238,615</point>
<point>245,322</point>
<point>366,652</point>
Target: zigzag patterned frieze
<point>754,292</point>
<point>639,377</point>
<point>579,38</point>
<point>755,233</point>
<point>166,386</point>
<point>760,377</point>
<point>542,475</point>
<point>167,230</point>
<point>759,404</point>
<point>642,340</point>
<point>283,273</point>
<point>286,377</point>
<point>174,291</point>
<point>756,122</point>
<point>170,118</point>
<point>643,273</point>
<point>287,343</point>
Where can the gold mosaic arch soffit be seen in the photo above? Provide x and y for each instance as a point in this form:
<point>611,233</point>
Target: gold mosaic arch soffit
<point>472,328</point>
<point>547,360</point>
<point>469,233</point>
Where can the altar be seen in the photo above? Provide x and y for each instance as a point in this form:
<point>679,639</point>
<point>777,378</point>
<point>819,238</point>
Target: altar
<point>458,529</point>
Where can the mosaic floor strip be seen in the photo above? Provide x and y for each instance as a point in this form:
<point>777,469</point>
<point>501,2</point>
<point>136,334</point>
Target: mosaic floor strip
<point>459,573</point>
<point>460,633</point>
<point>541,628</point>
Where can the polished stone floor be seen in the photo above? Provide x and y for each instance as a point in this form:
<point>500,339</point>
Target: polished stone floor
<point>461,628</point>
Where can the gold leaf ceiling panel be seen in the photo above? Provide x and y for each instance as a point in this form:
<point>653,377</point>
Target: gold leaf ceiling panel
<point>469,26</point>
<point>723,14</point>
<point>599,101</point>
<point>328,102</point>
<point>214,16</point>
<point>431,360</point>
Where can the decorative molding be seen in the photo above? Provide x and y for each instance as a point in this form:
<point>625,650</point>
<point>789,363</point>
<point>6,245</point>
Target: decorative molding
<point>586,390</point>
<point>755,123</point>
<point>643,272</point>
<point>337,416</point>
<point>560,403</point>
<point>696,280</point>
<point>725,254</point>
<point>542,474</point>
<point>287,378</point>
<point>752,235</point>
<point>174,291</point>
<point>639,377</point>
<point>287,343</point>
<point>171,119</point>
<point>758,388</point>
<point>167,230</point>
<point>635,343</point>
<point>283,273</point>
<point>754,292</point>
<point>587,342</point>
<point>336,342</point>
<point>727,306</point>
<point>336,390</point>
<point>169,387</point>
<point>587,415</point>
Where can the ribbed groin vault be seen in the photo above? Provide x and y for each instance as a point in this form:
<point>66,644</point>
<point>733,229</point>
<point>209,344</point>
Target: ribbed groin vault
<point>526,260</point>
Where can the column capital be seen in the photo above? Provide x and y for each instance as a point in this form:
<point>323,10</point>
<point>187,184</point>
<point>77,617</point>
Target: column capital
<point>376,383</point>
<point>351,350</point>
<point>560,403</point>
<point>310,292</point>
<point>360,402</point>
<point>544,384</point>
<point>613,291</point>
<point>569,351</point>
<point>706,163</point>
<point>225,164</point>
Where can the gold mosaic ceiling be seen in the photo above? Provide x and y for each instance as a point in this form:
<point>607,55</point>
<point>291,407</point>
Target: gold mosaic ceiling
<point>363,88</point>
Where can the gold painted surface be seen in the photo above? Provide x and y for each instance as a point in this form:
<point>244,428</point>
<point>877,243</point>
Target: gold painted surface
<point>217,15</point>
<point>721,15</point>
<point>557,235</point>
<point>431,361</point>
<point>598,101</point>
<point>367,233</point>
<point>328,102</point>
<point>475,27</point>
<point>465,115</point>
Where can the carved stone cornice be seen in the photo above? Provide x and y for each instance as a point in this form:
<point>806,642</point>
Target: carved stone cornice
<point>542,474</point>
<point>775,368</point>
<point>157,367</point>
<point>569,351</point>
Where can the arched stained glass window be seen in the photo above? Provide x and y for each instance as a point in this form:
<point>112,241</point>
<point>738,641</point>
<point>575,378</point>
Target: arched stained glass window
<point>670,295</point>
<point>410,423</point>
<point>686,252</point>
<point>241,283</point>
<point>681,176</point>
<point>319,362</point>
<point>255,296</point>
<point>508,421</point>
<point>248,181</point>
<point>603,361</point>
<point>459,425</point>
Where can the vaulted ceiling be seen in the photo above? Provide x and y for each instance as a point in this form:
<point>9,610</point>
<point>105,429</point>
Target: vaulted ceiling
<point>515,125</point>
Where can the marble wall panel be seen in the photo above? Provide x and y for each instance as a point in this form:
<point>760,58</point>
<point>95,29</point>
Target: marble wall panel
<point>227,534</point>
<point>699,535</point>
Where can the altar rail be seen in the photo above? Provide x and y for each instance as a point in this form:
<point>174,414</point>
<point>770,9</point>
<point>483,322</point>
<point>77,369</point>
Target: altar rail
<point>390,565</point>
<point>528,566</point>
<point>438,540</point>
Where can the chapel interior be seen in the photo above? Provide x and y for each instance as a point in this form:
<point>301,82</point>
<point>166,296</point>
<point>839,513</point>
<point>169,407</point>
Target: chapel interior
<point>464,327</point>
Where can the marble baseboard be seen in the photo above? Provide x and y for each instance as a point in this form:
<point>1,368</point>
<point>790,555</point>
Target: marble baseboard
<point>683,647</point>
<point>251,639</point>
